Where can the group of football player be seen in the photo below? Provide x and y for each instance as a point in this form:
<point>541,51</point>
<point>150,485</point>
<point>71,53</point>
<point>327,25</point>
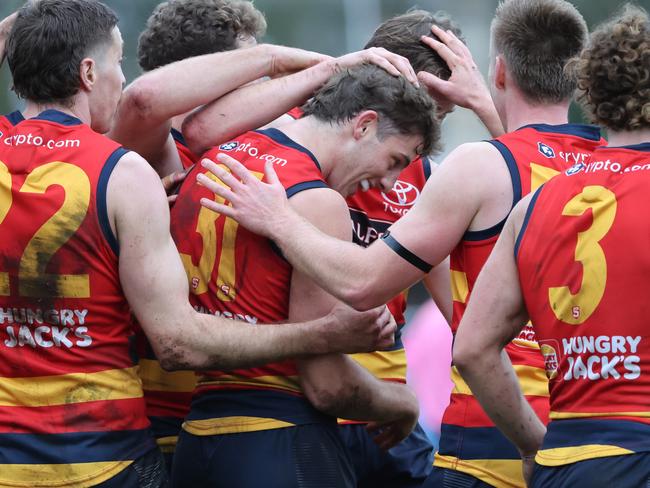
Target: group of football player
<point>202,276</point>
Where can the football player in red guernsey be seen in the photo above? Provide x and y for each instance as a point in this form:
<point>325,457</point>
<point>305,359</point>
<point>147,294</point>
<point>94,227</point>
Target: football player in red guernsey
<point>461,211</point>
<point>373,210</point>
<point>85,242</point>
<point>573,257</point>
<point>364,124</point>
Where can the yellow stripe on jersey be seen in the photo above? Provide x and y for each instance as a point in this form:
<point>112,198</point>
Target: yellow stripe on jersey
<point>578,415</point>
<point>561,456</point>
<point>540,175</point>
<point>232,425</point>
<point>459,286</point>
<point>526,344</point>
<point>504,473</point>
<point>287,383</point>
<point>167,444</point>
<point>155,378</point>
<point>532,380</point>
<point>44,391</point>
<point>76,475</point>
<point>384,364</point>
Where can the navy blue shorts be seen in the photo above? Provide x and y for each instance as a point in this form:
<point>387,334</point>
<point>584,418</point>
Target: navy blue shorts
<point>305,456</point>
<point>450,478</point>
<point>147,471</point>
<point>406,465</point>
<point>627,471</point>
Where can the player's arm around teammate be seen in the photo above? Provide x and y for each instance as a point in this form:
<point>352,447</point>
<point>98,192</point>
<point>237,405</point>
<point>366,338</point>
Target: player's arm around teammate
<point>336,384</point>
<point>144,115</point>
<point>492,319</point>
<point>184,338</point>
<point>366,277</point>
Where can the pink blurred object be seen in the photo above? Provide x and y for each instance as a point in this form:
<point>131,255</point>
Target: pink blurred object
<point>427,340</point>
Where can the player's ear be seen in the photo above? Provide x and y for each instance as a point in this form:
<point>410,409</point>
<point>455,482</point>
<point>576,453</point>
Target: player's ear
<point>365,124</point>
<point>499,73</point>
<point>87,73</point>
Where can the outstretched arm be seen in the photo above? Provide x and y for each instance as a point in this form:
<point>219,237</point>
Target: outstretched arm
<point>143,117</point>
<point>495,315</point>
<point>256,105</point>
<point>155,285</point>
<point>361,277</point>
<point>465,87</point>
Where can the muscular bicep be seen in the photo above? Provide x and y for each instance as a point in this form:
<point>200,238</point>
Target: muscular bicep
<point>150,269</point>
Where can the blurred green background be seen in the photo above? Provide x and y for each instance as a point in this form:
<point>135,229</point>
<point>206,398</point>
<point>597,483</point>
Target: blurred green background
<point>335,27</point>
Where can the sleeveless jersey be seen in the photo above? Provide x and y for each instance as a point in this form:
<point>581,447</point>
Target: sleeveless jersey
<point>586,292</point>
<point>167,393</point>
<point>239,275</point>
<point>71,407</point>
<point>188,158</point>
<point>373,212</point>
<point>469,441</point>
<point>10,120</point>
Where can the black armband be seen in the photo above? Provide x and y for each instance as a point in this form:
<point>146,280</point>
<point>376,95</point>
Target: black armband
<point>405,253</point>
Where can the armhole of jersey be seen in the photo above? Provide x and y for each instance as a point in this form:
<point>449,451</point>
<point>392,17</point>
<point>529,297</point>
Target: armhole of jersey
<point>305,185</point>
<point>102,207</point>
<point>426,167</point>
<point>178,137</point>
<point>515,178</point>
<point>406,254</point>
<point>524,224</point>
<point>15,117</point>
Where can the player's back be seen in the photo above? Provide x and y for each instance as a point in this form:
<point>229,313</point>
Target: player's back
<point>72,409</point>
<point>240,275</point>
<point>586,291</point>
<point>469,440</point>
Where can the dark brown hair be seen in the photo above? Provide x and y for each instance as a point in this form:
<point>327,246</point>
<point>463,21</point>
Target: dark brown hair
<point>179,29</point>
<point>402,108</point>
<point>614,72</point>
<point>49,40</point>
<point>537,38</point>
<point>402,34</point>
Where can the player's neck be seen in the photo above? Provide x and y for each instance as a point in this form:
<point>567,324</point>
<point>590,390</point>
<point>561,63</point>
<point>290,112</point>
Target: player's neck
<point>320,138</point>
<point>520,112</point>
<point>628,138</point>
<point>32,109</point>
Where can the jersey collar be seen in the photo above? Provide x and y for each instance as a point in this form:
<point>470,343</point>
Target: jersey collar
<point>58,117</point>
<point>585,131</point>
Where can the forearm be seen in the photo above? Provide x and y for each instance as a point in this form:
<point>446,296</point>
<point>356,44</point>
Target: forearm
<point>251,106</point>
<point>493,382</point>
<point>338,386</point>
<point>488,115</point>
<point>218,343</point>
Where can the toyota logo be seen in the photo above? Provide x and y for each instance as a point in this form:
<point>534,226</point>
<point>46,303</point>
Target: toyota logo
<point>403,194</point>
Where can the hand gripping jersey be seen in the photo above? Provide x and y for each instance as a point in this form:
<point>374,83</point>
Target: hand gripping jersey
<point>373,212</point>
<point>71,407</point>
<point>469,441</point>
<point>586,290</point>
<point>239,275</point>
<point>167,393</point>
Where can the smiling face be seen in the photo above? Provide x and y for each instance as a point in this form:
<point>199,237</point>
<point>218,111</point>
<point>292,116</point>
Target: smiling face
<point>108,83</point>
<point>369,158</point>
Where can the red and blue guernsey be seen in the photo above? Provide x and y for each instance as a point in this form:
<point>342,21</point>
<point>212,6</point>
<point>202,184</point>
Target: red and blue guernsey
<point>167,394</point>
<point>239,275</point>
<point>469,441</point>
<point>373,212</point>
<point>71,406</point>
<point>586,290</point>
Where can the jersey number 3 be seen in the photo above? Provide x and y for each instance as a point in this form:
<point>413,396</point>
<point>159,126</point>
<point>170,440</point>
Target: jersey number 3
<point>576,308</point>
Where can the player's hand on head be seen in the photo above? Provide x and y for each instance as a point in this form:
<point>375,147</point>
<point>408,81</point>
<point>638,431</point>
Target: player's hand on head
<point>393,63</point>
<point>260,207</point>
<point>356,331</point>
<point>287,60</point>
<point>466,86</point>
<point>390,433</point>
<point>171,183</point>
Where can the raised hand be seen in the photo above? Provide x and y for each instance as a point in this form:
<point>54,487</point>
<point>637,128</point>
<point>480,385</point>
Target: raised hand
<point>258,206</point>
<point>393,63</point>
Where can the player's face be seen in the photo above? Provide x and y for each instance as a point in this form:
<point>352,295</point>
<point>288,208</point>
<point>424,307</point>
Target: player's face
<point>107,89</point>
<point>375,163</point>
